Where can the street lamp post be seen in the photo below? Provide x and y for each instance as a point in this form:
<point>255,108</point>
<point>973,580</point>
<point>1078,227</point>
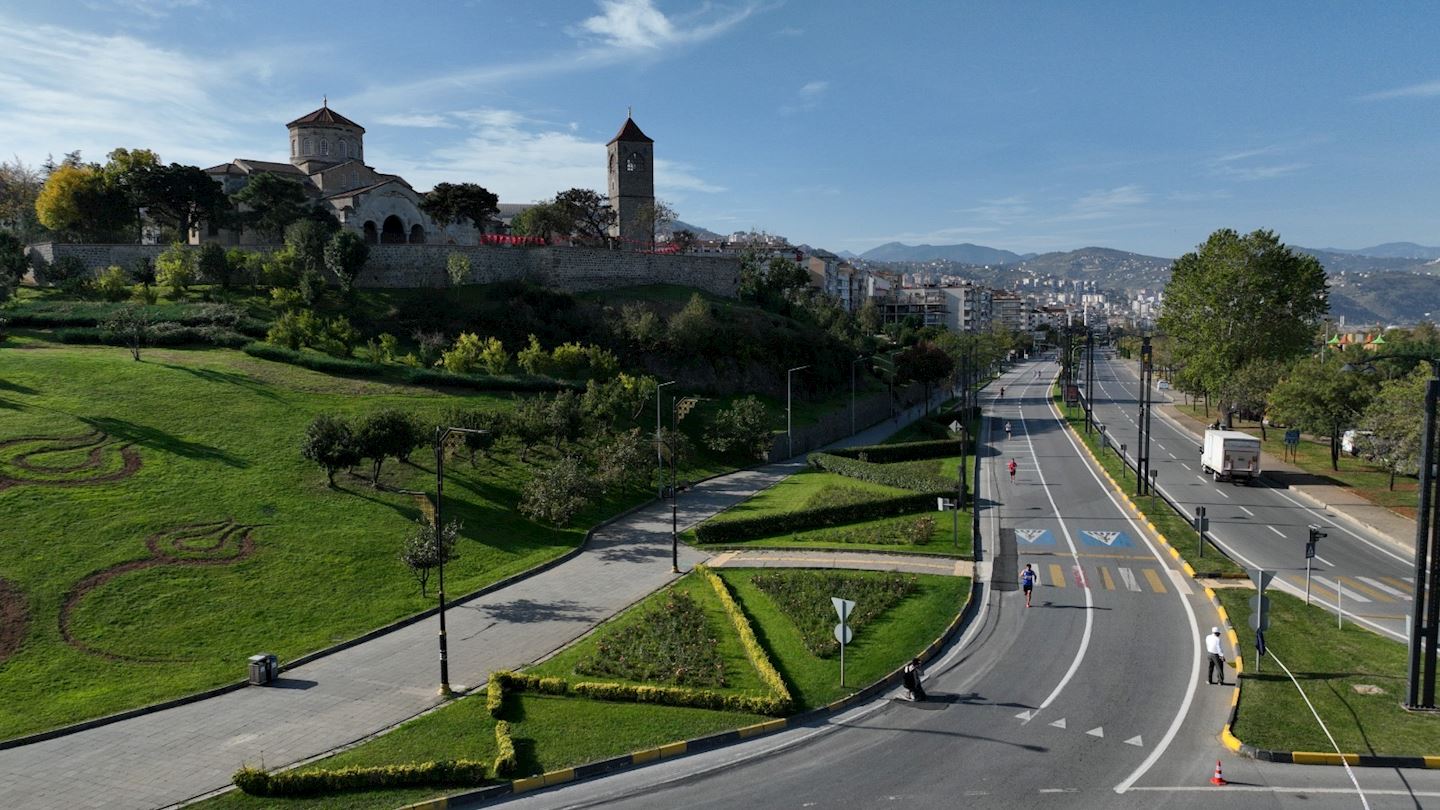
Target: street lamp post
<point>852,392</point>
<point>789,434</point>
<point>659,455</point>
<point>679,406</point>
<point>443,432</point>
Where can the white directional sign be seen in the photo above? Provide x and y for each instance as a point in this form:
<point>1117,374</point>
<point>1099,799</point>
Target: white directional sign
<point>955,426</point>
<point>843,633</point>
<point>844,607</point>
<point>1108,538</point>
<point>1029,535</point>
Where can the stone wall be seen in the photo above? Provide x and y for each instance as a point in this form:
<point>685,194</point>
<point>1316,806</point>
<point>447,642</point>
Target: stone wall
<point>833,426</point>
<point>573,269</point>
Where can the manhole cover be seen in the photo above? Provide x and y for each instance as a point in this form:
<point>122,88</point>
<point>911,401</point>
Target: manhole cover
<point>1368,689</point>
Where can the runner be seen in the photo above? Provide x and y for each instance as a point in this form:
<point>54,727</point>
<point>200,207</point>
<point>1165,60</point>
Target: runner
<point>1007,431</point>
<point>1002,392</point>
<point>1027,579</point>
<point>1011,467</point>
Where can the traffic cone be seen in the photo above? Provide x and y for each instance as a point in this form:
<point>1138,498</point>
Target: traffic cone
<point>1217,779</point>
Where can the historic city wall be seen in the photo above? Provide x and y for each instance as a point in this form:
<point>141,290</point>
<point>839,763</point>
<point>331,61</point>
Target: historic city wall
<point>573,269</point>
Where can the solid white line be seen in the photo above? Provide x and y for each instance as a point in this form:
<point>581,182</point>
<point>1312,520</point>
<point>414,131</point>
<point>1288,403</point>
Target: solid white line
<point>1233,788</point>
<point>1247,511</point>
<point>1363,802</point>
<point>1179,580</point>
<point>1275,530</point>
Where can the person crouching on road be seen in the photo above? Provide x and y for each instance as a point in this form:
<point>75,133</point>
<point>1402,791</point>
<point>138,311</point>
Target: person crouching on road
<point>1216,656</point>
<point>912,677</point>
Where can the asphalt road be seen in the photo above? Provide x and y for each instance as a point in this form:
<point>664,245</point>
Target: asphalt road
<point>1094,697</point>
<point>1263,526</point>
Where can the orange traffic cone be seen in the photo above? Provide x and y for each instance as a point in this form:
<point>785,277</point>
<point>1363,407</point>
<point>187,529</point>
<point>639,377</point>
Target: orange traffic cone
<point>1217,779</point>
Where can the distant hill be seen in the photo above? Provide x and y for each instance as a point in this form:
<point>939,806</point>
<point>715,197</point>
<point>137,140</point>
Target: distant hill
<point>1116,269</point>
<point>701,233</point>
<point>1348,262</point>
<point>1393,250</point>
<point>1395,297</point>
<point>964,253</point>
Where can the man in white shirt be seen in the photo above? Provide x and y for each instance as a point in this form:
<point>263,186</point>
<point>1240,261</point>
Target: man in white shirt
<point>1216,656</point>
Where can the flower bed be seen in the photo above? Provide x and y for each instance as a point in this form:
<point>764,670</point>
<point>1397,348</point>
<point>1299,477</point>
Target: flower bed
<point>671,643</point>
<point>804,597</point>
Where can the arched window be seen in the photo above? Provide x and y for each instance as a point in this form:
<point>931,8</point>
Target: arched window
<point>294,148</point>
<point>354,178</point>
<point>309,147</point>
<point>344,148</point>
<point>324,146</point>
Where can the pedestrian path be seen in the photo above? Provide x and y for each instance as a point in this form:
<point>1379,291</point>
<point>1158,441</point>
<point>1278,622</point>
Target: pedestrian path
<point>164,758</point>
<point>857,560</point>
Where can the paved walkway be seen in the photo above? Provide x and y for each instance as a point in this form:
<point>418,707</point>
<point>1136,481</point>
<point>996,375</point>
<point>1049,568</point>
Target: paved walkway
<point>856,560</point>
<point>165,758</point>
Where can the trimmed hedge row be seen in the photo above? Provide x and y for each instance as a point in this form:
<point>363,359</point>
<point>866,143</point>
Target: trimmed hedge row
<point>161,334</point>
<point>800,520</point>
<point>506,763</point>
<point>440,773</point>
<point>632,693</point>
<point>878,473</point>
<point>907,451</point>
<point>53,315</point>
<point>756,653</point>
<point>352,367</point>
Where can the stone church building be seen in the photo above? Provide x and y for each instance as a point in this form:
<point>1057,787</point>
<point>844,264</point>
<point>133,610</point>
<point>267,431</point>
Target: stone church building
<point>327,158</point>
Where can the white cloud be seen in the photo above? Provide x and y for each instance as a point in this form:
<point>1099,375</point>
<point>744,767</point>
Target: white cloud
<point>1421,90</point>
<point>813,88</point>
<point>149,8</point>
<point>1003,210</point>
<point>1105,203</point>
<point>1260,172</point>
<point>807,98</point>
<point>422,121</point>
<point>631,24</point>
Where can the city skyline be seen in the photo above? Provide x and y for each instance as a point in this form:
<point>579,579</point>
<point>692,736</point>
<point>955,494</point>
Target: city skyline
<point>1035,128</point>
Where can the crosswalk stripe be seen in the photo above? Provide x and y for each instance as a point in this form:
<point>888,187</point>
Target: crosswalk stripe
<point>1128,577</point>
<point>1079,574</point>
<point>1057,576</point>
<point>1386,588</point>
<point>1154,580</point>
<point>1105,578</point>
<point>1406,584</point>
<point>1355,583</point>
<point>1335,586</point>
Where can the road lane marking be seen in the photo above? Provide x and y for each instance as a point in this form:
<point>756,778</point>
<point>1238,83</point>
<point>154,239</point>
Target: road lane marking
<point>1359,585</point>
<point>1136,741</point>
<point>1386,588</point>
<point>1128,577</point>
<point>1335,586</point>
<point>1179,581</point>
<point>1098,731</point>
<point>1275,530</point>
<point>1188,467</point>
<point>1222,493</point>
<point>1079,574</point>
<point>1105,578</point>
<point>1057,576</point>
<point>1171,455</point>
<point>1154,580</point>
<point>1247,511</point>
<point>1059,723</point>
<point>1324,561</point>
<point>1159,445</point>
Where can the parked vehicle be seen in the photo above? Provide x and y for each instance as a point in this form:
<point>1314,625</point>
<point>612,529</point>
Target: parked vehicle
<point>1349,440</point>
<point>1230,455</point>
<point>1163,385</point>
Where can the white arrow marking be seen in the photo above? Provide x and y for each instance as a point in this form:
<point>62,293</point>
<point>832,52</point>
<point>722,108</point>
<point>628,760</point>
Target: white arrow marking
<point>1135,741</point>
<point>1026,716</point>
<point>1029,535</point>
<point>1108,538</point>
<point>1096,732</point>
<point>1059,723</point>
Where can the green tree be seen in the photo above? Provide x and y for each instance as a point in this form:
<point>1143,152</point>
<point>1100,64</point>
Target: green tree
<point>1390,429</point>
<point>457,269</point>
<point>213,266</point>
<point>13,264</point>
<point>1319,396</point>
<point>449,203</point>
<point>126,173</point>
<point>182,197</point>
<point>132,325</point>
<point>692,329</point>
<point>1241,298</point>
<point>617,400</point>
<point>345,256</point>
<point>925,363</point>
<point>79,205</point>
<point>465,356</point>
<point>558,492</point>
<point>1245,392</point>
<point>306,240</point>
<point>493,357</point>
<point>744,426</point>
<point>175,268</point>
<point>425,549</point>
<point>654,216</point>
<point>683,240</point>
<point>270,203</point>
<point>587,214</point>
<point>387,433</point>
<point>624,459</point>
<point>544,219</point>
<point>331,443</point>
<point>869,317</point>
<point>19,188</point>
<point>112,284</point>
<point>533,359</point>
<point>564,418</point>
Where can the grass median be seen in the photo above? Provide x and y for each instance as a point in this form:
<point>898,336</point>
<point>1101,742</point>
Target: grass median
<point>1329,663</point>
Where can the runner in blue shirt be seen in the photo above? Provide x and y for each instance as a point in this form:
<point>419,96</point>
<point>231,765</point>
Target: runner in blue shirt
<point>1027,581</point>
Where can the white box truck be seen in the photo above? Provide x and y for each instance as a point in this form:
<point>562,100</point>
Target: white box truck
<point>1230,454</point>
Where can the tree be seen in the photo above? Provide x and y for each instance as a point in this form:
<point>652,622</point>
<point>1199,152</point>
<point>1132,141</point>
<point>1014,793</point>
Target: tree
<point>331,443</point>
<point>13,264</point>
<point>184,197</point>
<point>1241,298</point>
<point>1245,392</point>
<point>175,268</point>
<point>306,240</point>
<point>126,173</point>
<point>465,356</point>
<point>19,187</point>
<point>869,317</point>
<point>345,256</point>
<point>132,324</point>
<point>544,219</point>
<point>1390,429</point>
<point>683,240</point>
<point>77,204</point>
<point>530,424</point>
<point>385,434</point>
<point>692,328</point>
<point>556,493</point>
<point>533,359</point>
<point>1317,395</point>
<point>457,269</point>
<point>744,426</point>
<point>653,216</point>
<point>493,357</point>
<point>273,203</point>
<point>616,400</point>
<point>142,270</point>
<point>586,213</point>
<point>449,203</point>
<point>425,549</point>
<point>622,460</point>
<point>213,266</point>
<point>564,418</point>
<point>924,363</point>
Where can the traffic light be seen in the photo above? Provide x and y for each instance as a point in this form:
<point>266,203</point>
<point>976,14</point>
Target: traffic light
<point>1316,533</point>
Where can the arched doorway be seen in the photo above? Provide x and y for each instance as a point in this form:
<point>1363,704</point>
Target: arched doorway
<point>417,235</point>
<point>393,231</point>
<point>370,235</point>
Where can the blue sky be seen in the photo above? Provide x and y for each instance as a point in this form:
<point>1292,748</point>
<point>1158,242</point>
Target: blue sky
<point>841,123</point>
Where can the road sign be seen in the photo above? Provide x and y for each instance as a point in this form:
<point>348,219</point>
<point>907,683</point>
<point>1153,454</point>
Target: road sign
<point>1292,436</point>
<point>843,607</point>
<point>1260,612</point>
<point>843,633</point>
<point>955,426</point>
<point>1261,578</point>
<point>942,503</point>
<point>1309,549</point>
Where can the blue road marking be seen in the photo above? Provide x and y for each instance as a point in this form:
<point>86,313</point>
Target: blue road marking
<point>1035,537</point>
<point>1106,539</point>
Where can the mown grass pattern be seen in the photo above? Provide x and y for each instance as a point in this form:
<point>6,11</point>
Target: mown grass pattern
<point>804,596</point>
<point>670,643</point>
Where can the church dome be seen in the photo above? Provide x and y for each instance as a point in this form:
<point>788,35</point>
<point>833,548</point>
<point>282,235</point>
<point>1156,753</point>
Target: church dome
<point>326,137</point>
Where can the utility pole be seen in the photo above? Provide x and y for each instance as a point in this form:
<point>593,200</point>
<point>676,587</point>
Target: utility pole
<point>1420,691</point>
<point>1089,378</point>
<point>659,453</point>
<point>1142,423</point>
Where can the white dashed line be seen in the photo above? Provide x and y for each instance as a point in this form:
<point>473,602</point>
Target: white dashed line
<point>1275,530</point>
<point>1247,511</point>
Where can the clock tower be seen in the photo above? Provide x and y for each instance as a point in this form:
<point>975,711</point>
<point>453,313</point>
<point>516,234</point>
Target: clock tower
<point>632,186</point>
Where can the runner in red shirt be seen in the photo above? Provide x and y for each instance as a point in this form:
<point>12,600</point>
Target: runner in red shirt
<point>1011,467</point>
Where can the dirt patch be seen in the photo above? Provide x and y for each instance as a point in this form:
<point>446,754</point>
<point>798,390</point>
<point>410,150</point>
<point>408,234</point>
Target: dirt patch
<point>98,442</point>
<point>220,543</point>
<point>14,618</point>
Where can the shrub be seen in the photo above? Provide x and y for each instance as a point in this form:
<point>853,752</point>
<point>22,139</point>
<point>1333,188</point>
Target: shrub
<point>506,763</point>
<point>345,256</point>
<point>112,284</point>
<point>465,356</point>
<point>753,650</point>
<point>389,345</point>
<point>314,782</point>
<point>841,495</point>
<point>213,266</point>
<point>533,359</point>
<point>804,596</point>
<point>889,475</point>
<point>13,264</point>
<point>142,270</point>
<point>744,427</point>
<point>569,360</point>
<point>457,269</point>
<point>294,330</point>
<point>495,695</point>
<point>146,295</point>
<point>387,433</point>
<point>175,268</point>
<point>67,272</point>
<point>669,642</point>
<point>692,329</point>
<point>493,357</point>
<point>728,531</point>
<point>908,451</point>
<point>330,442</point>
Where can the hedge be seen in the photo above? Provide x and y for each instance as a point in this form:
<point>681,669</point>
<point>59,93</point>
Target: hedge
<point>161,334</point>
<point>878,473</point>
<point>907,451</point>
<point>799,520</point>
<point>62,314</point>
<point>440,773</point>
<point>494,696</point>
<point>314,361</point>
<point>484,382</point>
<point>632,693</point>
<point>756,653</point>
<point>506,763</point>
<point>353,367</point>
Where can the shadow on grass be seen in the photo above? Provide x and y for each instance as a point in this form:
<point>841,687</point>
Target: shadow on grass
<point>227,378</point>
<point>157,439</point>
<point>6,385</point>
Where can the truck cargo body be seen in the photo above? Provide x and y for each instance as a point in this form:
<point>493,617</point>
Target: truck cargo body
<point>1230,455</point>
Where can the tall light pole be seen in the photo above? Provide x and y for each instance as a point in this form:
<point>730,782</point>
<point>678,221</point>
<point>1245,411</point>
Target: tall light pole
<point>442,433</point>
<point>679,406</point>
<point>659,454</point>
<point>789,434</point>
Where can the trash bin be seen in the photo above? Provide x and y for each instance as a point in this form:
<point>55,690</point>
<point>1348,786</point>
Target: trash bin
<point>263,668</point>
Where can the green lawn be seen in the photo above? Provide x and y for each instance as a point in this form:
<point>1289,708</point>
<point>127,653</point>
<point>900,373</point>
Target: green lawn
<point>217,436</point>
<point>1328,662</point>
<point>1178,531</point>
<point>1366,479</point>
<point>797,491</point>
<point>942,537</point>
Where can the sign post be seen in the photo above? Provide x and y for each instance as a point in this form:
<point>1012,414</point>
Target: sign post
<point>1201,523</point>
<point>1260,611</point>
<point>844,607</point>
<point>1292,442</point>
<point>1315,535</point>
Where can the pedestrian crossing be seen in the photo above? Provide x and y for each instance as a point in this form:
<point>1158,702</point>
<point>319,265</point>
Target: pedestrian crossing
<point>1356,589</point>
<point>1107,577</point>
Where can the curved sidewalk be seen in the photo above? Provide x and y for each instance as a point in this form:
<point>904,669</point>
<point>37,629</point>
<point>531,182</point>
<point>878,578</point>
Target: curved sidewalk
<point>171,756</point>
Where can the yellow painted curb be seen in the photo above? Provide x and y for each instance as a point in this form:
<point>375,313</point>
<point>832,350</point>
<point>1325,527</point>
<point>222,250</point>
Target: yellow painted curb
<point>1230,740</point>
<point>1235,696</point>
<point>1322,758</point>
<point>1210,592</point>
<point>762,728</point>
<point>1234,638</point>
<point>642,757</point>
<point>559,777</point>
<point>1224,614</point>
<point>673,749</point>
<point>1432,762</point>
<point>1174,552</point>
<point>1188,569</point>
<point>527,784</point>
<point>1239,661</point>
